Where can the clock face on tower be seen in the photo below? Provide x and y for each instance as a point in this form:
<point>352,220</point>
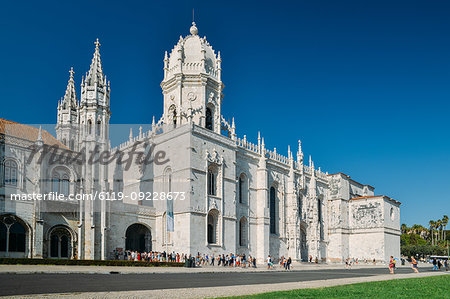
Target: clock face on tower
<point>91,94</point>
<point>191,96</point>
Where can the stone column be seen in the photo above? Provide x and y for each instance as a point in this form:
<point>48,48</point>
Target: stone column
<point>262,210</point>
<point>293,227</point>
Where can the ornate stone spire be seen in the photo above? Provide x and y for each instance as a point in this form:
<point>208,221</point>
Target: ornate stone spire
<point>40,140</point>
<point>95,74</point>
<point>312,184</point>
<point>70,97</point>
<point>299,153</point>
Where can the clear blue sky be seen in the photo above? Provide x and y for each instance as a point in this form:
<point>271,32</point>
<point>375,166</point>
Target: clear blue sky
<point>364,84</point>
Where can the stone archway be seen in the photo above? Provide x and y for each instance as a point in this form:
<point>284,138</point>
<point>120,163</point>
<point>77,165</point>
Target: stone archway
<point>138,238</point>
<point>61,242</point>
<point>15,237</point>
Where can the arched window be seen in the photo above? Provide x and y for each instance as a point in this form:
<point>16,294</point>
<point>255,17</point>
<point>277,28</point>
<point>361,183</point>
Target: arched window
<point>241,183</point>
<point>173,115</point>
<point>17,238</point>
<point>243,232</point>
<point>12,234</point>
<point>99,128</point>
<point>212,232</point>
<point>319,210</point>
<point>10,173</point>
<point>89,127</point>
<point>60,181</point>
<point>212,181</point>
<point>272,208</point>
<point>71,144</point>
<point>209,119</point>
<point>319,213</point>
<point>243,188</point>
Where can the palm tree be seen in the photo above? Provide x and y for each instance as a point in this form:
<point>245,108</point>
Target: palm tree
<point>445,222</point>
<point>432,224</point>
<point>439,229</point>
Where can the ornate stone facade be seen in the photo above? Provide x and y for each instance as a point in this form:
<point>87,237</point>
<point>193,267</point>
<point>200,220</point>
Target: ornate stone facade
<point>238,196</point>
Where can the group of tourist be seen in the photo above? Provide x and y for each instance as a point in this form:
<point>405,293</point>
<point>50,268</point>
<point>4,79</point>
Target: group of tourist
<point>225,260</point>
<point>229,260</point>
<point>349,262</point>
<point>244,261</point>
<point>151,256</point>
<point>438,263</point>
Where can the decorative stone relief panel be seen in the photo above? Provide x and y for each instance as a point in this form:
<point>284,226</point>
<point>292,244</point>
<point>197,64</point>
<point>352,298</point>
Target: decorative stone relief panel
<point>367,215</point>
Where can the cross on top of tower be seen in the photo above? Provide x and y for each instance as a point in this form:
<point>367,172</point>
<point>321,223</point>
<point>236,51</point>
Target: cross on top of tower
<point>97,44</point>
<point>193,29</point>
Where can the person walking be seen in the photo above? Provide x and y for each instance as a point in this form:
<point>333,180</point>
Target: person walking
<point>414,265</point>
<point>435,268</point>
<point>288,264</point>
<point>391,265</point>
<point>269,262</point>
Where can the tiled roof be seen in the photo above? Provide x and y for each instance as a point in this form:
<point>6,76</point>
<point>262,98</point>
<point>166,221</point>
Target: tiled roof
<point>11,128</point>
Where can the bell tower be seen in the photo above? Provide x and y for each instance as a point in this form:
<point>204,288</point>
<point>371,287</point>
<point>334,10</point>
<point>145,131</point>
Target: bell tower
<point>94,104</point>
<point>192,85</point>
<point>94,115</point>
<point>67,118</point>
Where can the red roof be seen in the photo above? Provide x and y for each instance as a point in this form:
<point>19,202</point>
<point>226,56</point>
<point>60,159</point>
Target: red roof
<point>30,133</point>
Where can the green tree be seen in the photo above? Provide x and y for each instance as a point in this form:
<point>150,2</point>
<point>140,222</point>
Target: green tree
<point>445,222</point>
<point>432,225</point>
<point>404,228</point>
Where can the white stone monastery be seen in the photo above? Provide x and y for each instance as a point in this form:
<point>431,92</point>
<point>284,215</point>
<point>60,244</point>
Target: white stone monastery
<point>234,196</point>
